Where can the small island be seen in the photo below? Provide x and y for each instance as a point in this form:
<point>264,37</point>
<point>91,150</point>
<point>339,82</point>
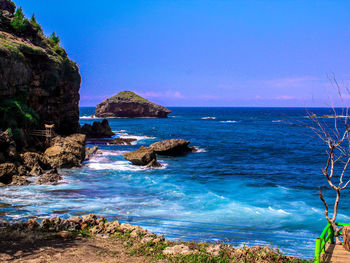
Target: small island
<point>127,104</point>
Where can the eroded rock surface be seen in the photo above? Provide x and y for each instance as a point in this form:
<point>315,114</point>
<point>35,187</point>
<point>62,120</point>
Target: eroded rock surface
<point>142,156</point>
<point>66,152</point>
<point>171,147</point>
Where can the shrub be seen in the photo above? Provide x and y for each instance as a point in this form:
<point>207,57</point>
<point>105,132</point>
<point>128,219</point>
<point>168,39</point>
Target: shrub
<point>54,39</point>
<point>35,24</point>
<point>14,113</point>
<point>18,21</point>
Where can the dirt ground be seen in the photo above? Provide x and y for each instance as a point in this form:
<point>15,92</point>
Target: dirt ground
<point>74,250</point>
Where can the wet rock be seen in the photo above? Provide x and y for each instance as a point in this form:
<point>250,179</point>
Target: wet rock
<point>66,152</point>
<point>89,152</point>
<point>130,105</point>
<point>97,130</point>
<point>154,164</point>
<point>49,178</point>
<point>142,156</point>
<point>122,141</point>
<point>171,147</point>
<point>19,180</point>
<point>7,171</point>
<point>36,170</point>
<point>178,249</point>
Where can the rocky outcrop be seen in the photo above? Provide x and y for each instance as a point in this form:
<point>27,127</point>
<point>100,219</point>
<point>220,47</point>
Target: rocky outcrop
<point>66,152</point>
<point>143,156</point>
<point>171,147</point>
<point>49,178</point>
<point>38,70</point>
<point>122,141</point>
<point>89,152</point>
<point>130,105</point>
<point>97,130</point>
<point>7,171</point>
<point>8,149</point>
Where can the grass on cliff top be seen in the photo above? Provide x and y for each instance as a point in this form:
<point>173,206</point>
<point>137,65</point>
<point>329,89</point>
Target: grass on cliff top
<point>129,96</point>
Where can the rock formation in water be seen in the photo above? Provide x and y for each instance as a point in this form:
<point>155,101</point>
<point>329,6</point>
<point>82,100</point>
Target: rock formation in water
<point>130,105</point>
<point>35,74</point>
<point>97,130</point>
<point>172,147</point>
<point>144,156</point>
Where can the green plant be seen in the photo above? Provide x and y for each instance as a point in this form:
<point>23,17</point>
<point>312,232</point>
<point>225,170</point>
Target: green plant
<point>14,113</point>
<point>35,24</point>
<point>18,21</point>
<point>54,39</point>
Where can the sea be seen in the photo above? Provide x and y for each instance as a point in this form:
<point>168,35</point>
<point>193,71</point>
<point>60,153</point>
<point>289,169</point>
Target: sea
<point>254,180</point>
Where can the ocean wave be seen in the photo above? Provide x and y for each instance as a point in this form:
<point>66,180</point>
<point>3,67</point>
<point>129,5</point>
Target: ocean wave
<point>200,150</point>
<point>231,121</point>
<point>88,117</point>
<point>111,153</point>
<point>137,137</point>
<point>277,121</point>
<point>122,166</point>
<point>208,118</point>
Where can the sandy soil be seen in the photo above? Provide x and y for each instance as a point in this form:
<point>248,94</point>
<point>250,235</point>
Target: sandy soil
<point>73,250</point>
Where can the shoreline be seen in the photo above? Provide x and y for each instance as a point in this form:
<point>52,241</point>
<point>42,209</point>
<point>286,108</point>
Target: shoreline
<point>133,241</point>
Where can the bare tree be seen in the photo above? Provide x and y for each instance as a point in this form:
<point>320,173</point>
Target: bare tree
<point>335,134</point>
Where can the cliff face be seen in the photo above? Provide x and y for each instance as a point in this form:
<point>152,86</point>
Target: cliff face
<point>37,68</point>
<point>128,104</point>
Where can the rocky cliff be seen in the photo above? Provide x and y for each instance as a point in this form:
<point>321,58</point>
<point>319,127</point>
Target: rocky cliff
<point>128,104</point>
<point>36,70</point>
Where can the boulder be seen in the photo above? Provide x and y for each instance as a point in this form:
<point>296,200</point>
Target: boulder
<point>171,147</point>
<point>127,104</point>
<point>49,178</point>
<point>36,170</point>
<point>177,249</point>
<point>97,130</point>
<point>123,141</point>
<point>142,156</point>
<point>7,171</point>
<point>89,152</point>
<point>19,180</point>
<point>66,152</point>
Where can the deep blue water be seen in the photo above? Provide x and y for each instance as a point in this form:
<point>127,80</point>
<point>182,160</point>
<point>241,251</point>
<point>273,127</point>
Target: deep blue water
<point>254,181</point>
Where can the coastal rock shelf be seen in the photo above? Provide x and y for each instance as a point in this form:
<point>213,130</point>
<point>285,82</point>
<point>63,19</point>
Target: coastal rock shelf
<point>130,105</point>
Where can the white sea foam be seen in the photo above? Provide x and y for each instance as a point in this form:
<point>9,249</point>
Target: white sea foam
<point>209,118</point>
<point>122,166</point>
<point>278,211</point>
<point>200,150</point>
<point>111,153</point>
<point>137,137</point>
<point>277,121</point>
<point>231,121</point>
<point>88,117</point>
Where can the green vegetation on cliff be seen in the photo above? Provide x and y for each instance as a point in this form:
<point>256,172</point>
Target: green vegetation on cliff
<point>129,96</point>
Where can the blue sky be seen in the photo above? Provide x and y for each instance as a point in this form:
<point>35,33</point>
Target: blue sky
<point>204,53</point>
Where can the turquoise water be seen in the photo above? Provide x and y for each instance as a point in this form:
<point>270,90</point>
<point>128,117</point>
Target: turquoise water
<point>254,180</point>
